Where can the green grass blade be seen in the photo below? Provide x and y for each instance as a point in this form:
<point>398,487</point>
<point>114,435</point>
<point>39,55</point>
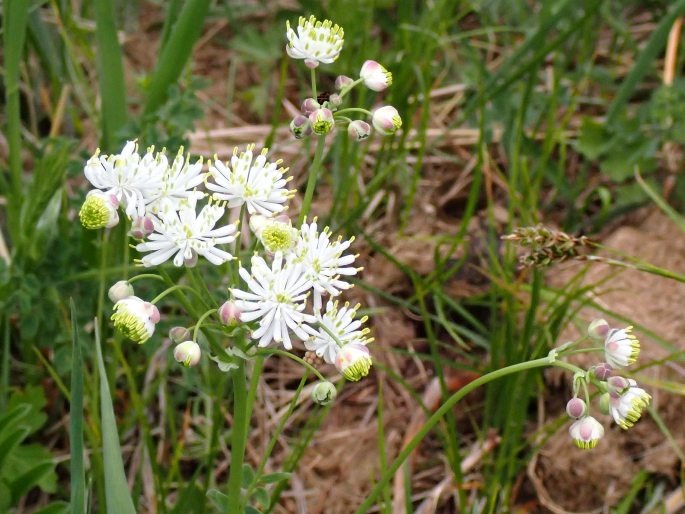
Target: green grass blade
<point>176,51</point>
<point>118,497</point>
<point>110,74</point>
<point>15,16</point>
<point>78,478</point>
<point>654,47</point>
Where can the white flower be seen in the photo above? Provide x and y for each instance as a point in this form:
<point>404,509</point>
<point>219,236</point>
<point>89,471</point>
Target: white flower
<point>277,297</point>
<point>375,76</point>
<point>315,42</point>
<point>323,261</point>
<point>126,176</point>
<point>135,318</point>
<point>386,120</point>
<point>627,407</point>
<point>343,327</point>
<point>259,184</point>
<point>99,210</point>
<point>276,234</point>
<point>188,353</point>
<point>177,185</point>
<point>187,234</point>
<point>621,347</point>
<point>353,361</point>
<point>586,432</point>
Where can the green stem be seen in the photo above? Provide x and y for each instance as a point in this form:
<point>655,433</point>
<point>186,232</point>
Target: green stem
<point>145,275</point>
<point>444,408</point>
<point>199,322</point>
<point>171,290</point>
<point>238,439</point>
<point>354,109</point>
<point>582,350</point>
<point>313,176</point>
<point>274,351</point>
<point>313,70</point>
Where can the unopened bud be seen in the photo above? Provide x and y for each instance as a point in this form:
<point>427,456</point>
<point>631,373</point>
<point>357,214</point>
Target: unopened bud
<point>358,130</point>
<point>324,393</point>
<point>141,227</point>
<point>604,404</point>
<point>375,76</point>
<point>598,329</point>
<point>309,105</point>
<point>617,384</point>
<point>300,127</point>
<point>322,121</point>
<point>576,408</point>
<point>603,370</point>
<point>188,353</point>
<point>179,334</point>
<point>386,120</point>
<point>335,100</point>
<point>229,313</point>
<point>120,290</point>
<point>342,81</point>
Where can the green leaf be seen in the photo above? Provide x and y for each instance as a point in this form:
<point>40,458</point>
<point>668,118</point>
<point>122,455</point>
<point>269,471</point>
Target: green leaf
<point>248,475</point>
<point>252,510</point>
<point>218,499</point>
<point>10,442</point>
<point>593,140</point>
<point>262,496</point>
<point>117,495</point>
<point>272,478</point>
<point>76,467</point>
<point>30,479</point>
<point>54,508</point>
<point>26,457</point>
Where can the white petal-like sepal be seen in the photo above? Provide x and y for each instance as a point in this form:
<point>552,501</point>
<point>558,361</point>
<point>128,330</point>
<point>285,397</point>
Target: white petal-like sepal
<point>586,432</point>
<point>314,41</point>
<point>621,347</point>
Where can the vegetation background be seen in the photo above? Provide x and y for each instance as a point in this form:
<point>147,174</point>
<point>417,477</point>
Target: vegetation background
<point>564,112</point>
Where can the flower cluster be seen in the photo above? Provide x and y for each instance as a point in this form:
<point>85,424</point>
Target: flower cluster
<point>621,398</point>
<point>317,43</point>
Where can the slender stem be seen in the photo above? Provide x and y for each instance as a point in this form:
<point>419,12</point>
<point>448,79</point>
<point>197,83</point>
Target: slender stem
<point>144,275</point>
<point>313,70</point>
<point>238,439</point>
<point>199,322</point>
<point>171,290</point>
<point>313,176</point>
<point>354,109</point>
<point>274,351</point>
<point>444,408</point>
<point>582,350</point>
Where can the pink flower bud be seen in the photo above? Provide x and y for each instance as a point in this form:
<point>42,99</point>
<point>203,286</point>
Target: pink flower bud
<point>617,384</point>
<point>342,81</point>
<point>322,121</point>
<point>309,106</point>
<point>358,130</point>
<point>603,370</point>
<point>335,100</point>
<point>576,408</point>
<point>386,120</point>
<point>300,127</point>
<point>179,334</point>
<point>188,353</point>
<point>375,76</point>
<point>229,313</point>
<point>141,227</point>
<point>598,329</point>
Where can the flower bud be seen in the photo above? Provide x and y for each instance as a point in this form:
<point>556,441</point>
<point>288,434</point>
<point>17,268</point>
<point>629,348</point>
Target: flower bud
<point>617,384</point>
<point>179,334</point>
<point>322,121</point>
<point>603,370</point>
<point>598,329</point>
<point>358,130</point>
<point>309,106</point>
<point>342,81</point>
<point>229,313</point>
<point>300,127</point>
<point>120,290</point>
<point>386,120</point>
<point>604,403</point>
<point>135,318</point>
<point>99,210</point>
<point>188,353</point>
<point>576,408</point>
<point>324,393</point>
<point>375,76</point>
<point>141,227</point>
<point>353,361</point>
<point>335,100</point>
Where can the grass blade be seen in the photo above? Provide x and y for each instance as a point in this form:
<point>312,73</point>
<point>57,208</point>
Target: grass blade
<point>78,479</point>
<point>110,74</point>
<point>176,51</point>
<point>118,497</point>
